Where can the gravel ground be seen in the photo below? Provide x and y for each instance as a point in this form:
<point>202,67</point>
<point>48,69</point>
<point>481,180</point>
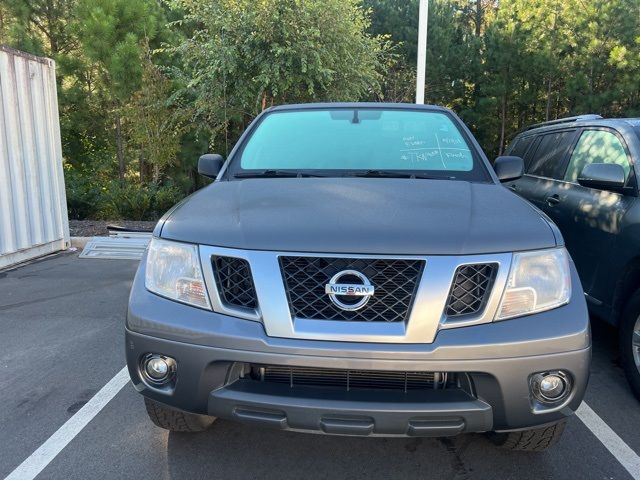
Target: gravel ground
<point>93,228</point>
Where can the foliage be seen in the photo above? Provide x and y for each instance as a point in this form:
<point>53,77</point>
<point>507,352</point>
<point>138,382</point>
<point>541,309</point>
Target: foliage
<point>111,33</point>
<point>503,65</point>
<point>83,193</point>
<point>91,195</point>
<point>146,86</point>
<point>134,202</point>
<point>37,26</point>
<point>244,55</point>
<point>156,124</point>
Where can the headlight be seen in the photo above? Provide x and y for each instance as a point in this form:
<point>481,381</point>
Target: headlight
<point>173,271</point>
<point>537,281</point>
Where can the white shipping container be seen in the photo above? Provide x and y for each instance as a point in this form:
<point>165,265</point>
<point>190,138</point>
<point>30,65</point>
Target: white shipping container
<point>33,205</point>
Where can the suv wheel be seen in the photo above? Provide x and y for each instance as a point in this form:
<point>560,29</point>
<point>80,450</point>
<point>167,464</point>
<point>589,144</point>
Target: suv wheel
<point>630,343</point>
<point>534,440</point>
<point>176,420</point>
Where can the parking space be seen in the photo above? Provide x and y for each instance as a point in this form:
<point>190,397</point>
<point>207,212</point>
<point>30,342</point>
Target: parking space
<point>61,320</point>
<point>61,341</point>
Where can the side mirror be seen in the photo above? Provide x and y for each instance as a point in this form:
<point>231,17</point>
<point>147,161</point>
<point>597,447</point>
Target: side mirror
<point>210,164</point>
<point>508,168</point>
<point>603,176</point>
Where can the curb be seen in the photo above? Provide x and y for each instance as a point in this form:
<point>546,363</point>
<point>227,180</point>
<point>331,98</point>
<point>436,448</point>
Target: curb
<point>79,242</point>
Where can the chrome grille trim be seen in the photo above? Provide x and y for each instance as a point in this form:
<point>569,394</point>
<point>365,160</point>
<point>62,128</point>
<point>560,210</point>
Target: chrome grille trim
<point>426,318</point>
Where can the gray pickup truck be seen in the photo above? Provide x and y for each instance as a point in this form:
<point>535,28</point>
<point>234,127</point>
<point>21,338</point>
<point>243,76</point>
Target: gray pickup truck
<point>358,269</point>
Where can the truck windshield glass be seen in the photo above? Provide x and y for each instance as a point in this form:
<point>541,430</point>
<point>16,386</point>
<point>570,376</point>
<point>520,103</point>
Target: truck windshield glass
<point>361,140</point>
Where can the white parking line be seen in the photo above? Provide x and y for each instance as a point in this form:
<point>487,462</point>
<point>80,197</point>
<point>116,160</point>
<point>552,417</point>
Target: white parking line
<point>50,449</point>
<point>618,448</point>
<point>44,455</point>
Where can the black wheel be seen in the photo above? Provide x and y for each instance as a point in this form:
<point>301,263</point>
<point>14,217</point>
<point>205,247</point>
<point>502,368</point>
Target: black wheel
<point>534,440</point>
<point>629,332</point>
<point>175,420</point>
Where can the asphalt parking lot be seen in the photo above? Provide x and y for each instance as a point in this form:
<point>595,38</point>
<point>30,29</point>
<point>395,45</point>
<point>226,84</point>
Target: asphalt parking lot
<point>61,342</point>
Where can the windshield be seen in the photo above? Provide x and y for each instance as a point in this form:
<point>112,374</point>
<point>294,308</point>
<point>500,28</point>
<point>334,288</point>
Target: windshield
<point>360,140</point>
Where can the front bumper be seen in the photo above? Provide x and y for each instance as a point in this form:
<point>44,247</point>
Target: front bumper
<point>206,384</point>
<point>497,359</point>
<point>426,413</point>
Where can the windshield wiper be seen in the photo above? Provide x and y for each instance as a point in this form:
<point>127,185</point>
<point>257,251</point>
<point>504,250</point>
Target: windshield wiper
<point>395,174</point>
<point>431,177</point>
<point>273,174</point>
<point>379,173</point>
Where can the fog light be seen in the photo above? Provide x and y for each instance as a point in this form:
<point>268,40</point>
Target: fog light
<point>157,369</point>
<point>550,387</point>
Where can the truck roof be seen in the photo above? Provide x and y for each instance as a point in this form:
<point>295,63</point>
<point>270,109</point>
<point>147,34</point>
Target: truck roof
<point>329,105</point>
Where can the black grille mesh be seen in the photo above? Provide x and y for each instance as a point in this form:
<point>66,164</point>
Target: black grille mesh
<point>471,289</point>
<point>395,283</point>
<point>350,379</point>
<point>234,282</point>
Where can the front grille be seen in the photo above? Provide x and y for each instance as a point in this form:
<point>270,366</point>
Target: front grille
<point>351,379</point>
<point>471,289</point>
<point>395,283</point>
<point>234,282</point>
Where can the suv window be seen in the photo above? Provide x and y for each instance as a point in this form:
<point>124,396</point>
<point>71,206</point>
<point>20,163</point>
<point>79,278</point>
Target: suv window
<point>521,146</point>
<point>597,146</point>
<point>548,157</point>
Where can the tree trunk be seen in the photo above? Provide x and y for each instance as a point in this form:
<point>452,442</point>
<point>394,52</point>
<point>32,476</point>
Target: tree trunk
<point>141,167</point>
<point>478,20</point>
<point>156,174</point>
<point>120,148</point>
<point>547,114</point>
<point>2,39</point>
<point>503,122</point>
<point>522,117</point>
<point>591,88</point>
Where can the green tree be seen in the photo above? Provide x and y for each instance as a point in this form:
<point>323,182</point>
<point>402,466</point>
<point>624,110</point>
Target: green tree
<point>37,26</point>
<point>113,34</point>
<point>399,20</point>
<point>605,60</point>
<point>132,87</point>
<point>156,123</point>
<point>243,55</point>
<point>49,28</point>
<point>454,53</point>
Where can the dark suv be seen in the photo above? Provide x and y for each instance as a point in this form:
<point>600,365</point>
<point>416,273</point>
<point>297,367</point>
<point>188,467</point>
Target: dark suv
<point>582,172</point>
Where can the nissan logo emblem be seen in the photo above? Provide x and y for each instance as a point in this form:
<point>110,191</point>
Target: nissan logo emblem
<point>349,290</point>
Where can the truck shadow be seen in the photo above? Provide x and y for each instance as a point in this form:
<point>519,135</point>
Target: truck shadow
<point>232,450</point>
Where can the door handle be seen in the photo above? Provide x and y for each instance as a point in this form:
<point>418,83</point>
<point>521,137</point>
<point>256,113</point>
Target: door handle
<point>553,200</point>
<point>513,187</point>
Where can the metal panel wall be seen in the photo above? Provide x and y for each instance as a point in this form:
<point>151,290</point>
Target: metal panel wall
<point>33,205</point>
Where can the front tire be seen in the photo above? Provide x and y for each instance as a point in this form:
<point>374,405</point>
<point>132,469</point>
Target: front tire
<point>534,440</point>
<point>176,420</point>
<point>629,332</point>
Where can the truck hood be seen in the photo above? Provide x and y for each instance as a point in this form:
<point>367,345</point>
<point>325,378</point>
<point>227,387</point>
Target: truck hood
<point>359,215</point>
